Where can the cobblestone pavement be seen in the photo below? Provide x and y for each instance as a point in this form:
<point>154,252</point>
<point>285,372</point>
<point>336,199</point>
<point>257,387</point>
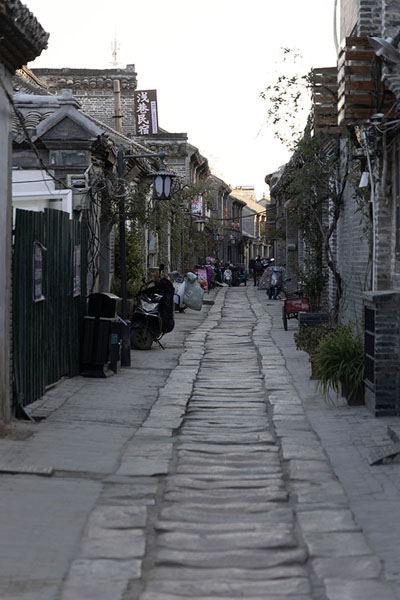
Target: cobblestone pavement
<point>349,435</point>
<point>220,490</point>
<point>225,491</point>
<point>54,472</point>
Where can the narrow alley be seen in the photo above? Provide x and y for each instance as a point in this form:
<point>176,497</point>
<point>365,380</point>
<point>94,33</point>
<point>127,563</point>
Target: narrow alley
<point>201,478</point>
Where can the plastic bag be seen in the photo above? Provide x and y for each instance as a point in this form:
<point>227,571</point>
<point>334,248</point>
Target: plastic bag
<point>179,288</point>
<point>193,296</point>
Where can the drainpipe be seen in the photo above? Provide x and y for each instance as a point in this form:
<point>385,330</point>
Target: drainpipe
<point>372,185</point>
<point>335,35</point>
<point>117,105</point>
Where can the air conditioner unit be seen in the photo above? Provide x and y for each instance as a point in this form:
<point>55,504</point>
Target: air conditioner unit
<point>80,190</point>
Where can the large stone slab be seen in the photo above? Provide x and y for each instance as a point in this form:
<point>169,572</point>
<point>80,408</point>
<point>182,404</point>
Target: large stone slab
<point>113,543</point>
<point>215,471</point>
<point>348,567</point>
<point>220,526</point>
<point>285,587</point>
<point>339,589</point>
<point>310,470</point>
<point>143,466</point>
<point>85,570</point>
<point>193,514</point>
<point>275,535</point>
<point>227,448</point>
<point>230,460</point>
<point>327,520</point>
<point>93,590</point>
<point>243,558</point>
<point>230,438</point>
<point>121,517</point>
<point>294,451</point>
<point>217,574</point>
<point>124,493</point>
<point>224,497</point>
<point>332,544</point>
<point>178,481</point>
<point>314,493</point>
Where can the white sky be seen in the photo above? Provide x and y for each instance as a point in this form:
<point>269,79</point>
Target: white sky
<point>209,60</point>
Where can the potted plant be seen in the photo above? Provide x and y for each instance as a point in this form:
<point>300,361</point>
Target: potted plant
<point>340,363</point>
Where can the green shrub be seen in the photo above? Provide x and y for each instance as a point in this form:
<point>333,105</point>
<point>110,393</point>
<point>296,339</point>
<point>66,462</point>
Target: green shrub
<point>340,359</point>
<point>309,338</point>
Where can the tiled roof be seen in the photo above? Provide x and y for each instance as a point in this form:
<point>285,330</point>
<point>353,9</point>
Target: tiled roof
<point>23,38</point>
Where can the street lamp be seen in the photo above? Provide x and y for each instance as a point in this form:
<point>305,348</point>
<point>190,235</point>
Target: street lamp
<point>162,180</point>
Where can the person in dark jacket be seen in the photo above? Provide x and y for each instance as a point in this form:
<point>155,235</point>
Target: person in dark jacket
<point>257,270</point>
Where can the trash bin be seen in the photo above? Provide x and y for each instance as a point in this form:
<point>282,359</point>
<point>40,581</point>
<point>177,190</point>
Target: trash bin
<point>102,304</point>
<point>101,345</point>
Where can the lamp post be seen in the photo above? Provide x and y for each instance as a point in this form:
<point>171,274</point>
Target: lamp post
<point>162,190</point>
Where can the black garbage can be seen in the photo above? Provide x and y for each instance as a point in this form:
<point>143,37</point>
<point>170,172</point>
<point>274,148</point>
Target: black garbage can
<point>101,346</point>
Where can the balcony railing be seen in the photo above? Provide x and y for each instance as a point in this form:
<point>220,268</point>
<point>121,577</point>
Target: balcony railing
<point>324,98</point>
<point>361,92</point>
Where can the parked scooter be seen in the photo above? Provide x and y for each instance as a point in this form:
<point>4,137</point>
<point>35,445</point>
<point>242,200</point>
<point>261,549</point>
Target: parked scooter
<point>276,283</point>
<point>154,314</point>
<point>228,276</point>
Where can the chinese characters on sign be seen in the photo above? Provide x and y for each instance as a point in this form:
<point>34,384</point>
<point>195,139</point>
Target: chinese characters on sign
<point>146,112</point>
<point>197,206</point>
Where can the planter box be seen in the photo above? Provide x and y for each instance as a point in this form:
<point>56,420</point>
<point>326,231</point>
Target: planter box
<point>310,319</point>
<point>356,399</point>
<point>314,370</point>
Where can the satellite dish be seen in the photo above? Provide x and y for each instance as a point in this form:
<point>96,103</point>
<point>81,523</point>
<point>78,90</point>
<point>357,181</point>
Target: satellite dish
<point>385,49</point>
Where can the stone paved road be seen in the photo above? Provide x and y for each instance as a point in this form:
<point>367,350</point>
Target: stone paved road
<point>226,491</point>
<point>223,492</point>
<point>349,435</point>
<point>226,504</point>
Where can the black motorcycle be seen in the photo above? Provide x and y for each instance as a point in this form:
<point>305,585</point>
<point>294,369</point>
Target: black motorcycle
<point>153,315</point>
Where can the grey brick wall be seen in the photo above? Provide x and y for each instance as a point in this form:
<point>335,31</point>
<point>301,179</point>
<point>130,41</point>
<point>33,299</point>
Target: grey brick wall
<point>381,395</point>
<point>353,259</point>
<point>370,15</point>
<point>93,88</point>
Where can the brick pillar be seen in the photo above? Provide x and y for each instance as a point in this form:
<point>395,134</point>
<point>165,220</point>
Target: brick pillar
<point>382,352</point>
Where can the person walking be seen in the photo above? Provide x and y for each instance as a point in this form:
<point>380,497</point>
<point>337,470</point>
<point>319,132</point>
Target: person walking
<point>252,263</point>
<point>258,269</point>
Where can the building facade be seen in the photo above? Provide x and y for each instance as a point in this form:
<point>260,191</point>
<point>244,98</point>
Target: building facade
<point>23,39</point>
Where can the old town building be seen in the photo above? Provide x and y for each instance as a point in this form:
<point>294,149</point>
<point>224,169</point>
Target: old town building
<point>23,40</point>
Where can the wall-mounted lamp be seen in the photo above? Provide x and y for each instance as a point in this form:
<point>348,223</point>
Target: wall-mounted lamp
<point>162,180</point>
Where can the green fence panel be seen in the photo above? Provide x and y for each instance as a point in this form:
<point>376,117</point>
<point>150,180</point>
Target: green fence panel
<point>47,331</point>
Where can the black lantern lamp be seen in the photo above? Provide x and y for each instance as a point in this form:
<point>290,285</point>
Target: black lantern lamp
<point>162,180</point>
<point>162,190</point>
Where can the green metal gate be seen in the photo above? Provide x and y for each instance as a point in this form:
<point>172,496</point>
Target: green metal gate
<point>49,290</point>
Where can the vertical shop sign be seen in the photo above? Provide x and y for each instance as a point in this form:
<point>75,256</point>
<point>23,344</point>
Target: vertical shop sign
<point>146,116</point>
<point>203,278</point>
<point>197,206</point>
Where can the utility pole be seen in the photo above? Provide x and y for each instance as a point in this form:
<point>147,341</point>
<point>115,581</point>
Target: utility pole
<point>117,105</point>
